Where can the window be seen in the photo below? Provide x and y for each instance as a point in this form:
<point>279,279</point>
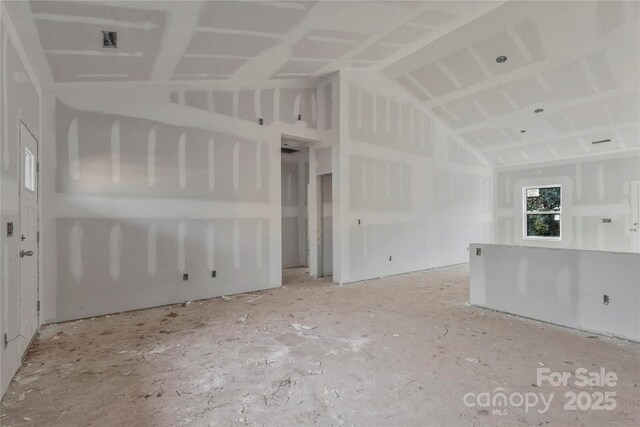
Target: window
<point>29,170</point>
<point>542,206</point>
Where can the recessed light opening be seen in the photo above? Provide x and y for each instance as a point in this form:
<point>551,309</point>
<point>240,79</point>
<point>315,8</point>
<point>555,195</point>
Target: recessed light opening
<point>500,59</point>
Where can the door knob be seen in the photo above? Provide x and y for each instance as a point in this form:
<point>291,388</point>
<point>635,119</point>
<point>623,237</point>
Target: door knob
<point>24,254</point>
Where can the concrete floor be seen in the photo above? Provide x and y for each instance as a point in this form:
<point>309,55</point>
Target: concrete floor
<point>399,351</point>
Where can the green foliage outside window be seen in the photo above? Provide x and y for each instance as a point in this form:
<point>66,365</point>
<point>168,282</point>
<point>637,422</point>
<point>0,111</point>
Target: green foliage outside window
<point>543,211</point>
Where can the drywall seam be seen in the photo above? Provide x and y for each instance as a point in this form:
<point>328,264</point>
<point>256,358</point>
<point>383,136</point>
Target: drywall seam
<point>61,88</point>
<point>571,160</point>
<point>22,53</point>
<point>435,119</point>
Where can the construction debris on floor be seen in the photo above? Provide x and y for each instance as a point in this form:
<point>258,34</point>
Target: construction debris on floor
<point>404,350</point>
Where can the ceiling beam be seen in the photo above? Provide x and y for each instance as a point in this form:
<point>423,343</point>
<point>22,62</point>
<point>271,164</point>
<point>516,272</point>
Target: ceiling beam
<point>175,40</point>
<point>20,24</point>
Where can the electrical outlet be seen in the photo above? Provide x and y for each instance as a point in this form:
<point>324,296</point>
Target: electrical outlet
<point>478,251</point>
<point>358,222</point>
<point>299,116</point>
<point>213,273</point>
<point>185,276</point>
<point>260,122</point>
<point>605,299</point>
<point>389,257</point>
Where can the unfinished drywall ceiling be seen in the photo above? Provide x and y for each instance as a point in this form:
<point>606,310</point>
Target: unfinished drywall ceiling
<point>238,40</point>
<point>575,60</point>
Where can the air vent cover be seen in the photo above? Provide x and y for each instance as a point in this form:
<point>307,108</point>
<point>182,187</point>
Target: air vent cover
<point>288,150</point>
<point>109,39</point>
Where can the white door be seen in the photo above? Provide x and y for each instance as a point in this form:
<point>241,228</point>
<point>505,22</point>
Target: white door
<point>28,284</point>
<point>635,216</point>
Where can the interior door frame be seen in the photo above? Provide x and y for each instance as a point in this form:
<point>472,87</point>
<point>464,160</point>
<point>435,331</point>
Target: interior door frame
<point>23,125</point>
<point>319,226</point>
<point>634,215</point>
<point>313,139</point>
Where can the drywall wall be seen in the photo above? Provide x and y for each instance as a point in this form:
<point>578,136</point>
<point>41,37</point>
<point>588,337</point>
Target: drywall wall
<point>413,196</point>
<point>324,158</point>
<point>152,184</point>
<point>591,191</point>
<point>19,102</point>
<point>562,286</point>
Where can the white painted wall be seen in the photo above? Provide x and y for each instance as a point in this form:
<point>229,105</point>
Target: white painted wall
<point>20,97</point>
<point>561,286</point>
<point>591,190</point>
<point>420,194</point>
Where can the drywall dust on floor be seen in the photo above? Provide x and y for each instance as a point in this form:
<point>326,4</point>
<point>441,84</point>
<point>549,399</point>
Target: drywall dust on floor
<point>397,351</point>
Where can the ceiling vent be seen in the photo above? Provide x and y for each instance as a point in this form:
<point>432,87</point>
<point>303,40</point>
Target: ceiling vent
<point>601,141</point>
<point>288,150</point>
<point>109,39</point>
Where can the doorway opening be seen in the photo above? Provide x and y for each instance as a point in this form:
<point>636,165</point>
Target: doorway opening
<point>325,224</point>
<point>295,218</point>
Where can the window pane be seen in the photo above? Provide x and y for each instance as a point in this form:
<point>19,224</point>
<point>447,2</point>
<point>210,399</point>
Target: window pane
<point>543,225</point>
<point>29,170</point>
<point>547,199</point>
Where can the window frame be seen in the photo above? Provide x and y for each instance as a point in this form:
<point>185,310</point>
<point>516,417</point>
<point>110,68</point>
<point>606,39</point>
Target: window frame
<point>526,213</point>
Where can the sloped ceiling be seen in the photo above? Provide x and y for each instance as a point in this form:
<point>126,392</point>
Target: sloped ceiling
<point>578,61</point>
<point>237,40</point>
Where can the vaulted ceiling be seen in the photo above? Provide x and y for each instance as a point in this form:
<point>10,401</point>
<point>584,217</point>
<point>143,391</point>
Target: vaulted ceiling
<point>577,61</point>
<point>238,40</point>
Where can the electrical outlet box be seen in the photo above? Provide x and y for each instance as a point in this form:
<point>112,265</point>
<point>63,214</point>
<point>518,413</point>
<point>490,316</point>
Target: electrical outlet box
<point>261,122</point>
<point>389,257</point>
<point>185,276</point>
<point>10,229</point>
<point>605,299</point>
<point>109,39</point>
<point>213,273</point>
<point>606,220</point>
<point>478,251</point>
